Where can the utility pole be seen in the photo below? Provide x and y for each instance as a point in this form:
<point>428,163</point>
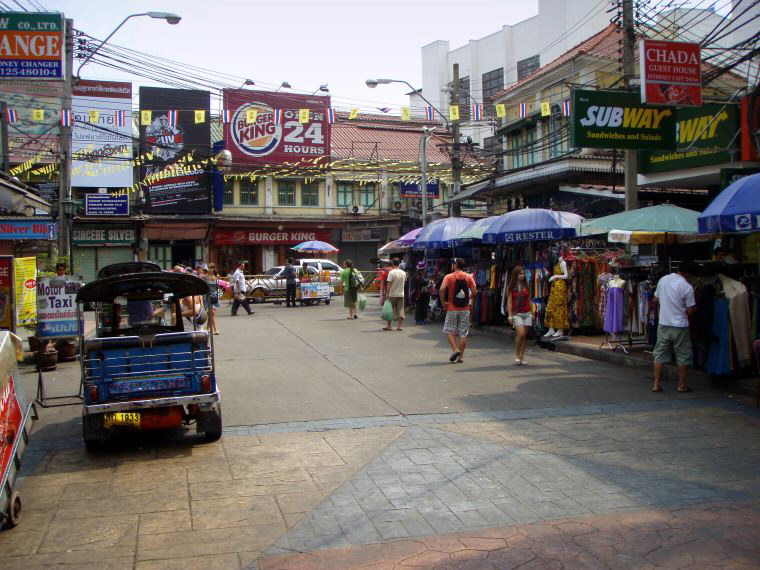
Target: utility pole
<point>456,163</point>
<point>64,178</point>
<point>4,136</point>
<point>423,173</point>
<point>631,167</point>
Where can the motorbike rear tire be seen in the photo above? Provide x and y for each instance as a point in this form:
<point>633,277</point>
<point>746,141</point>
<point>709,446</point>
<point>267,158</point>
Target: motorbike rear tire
<point>209,424</point>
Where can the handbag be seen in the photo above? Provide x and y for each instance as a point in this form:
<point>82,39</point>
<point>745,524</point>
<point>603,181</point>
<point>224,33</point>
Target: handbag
<point>362,301</point>
<point>387,313</point>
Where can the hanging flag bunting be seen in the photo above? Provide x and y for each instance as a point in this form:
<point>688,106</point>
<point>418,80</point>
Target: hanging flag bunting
<point>38,114</point>
<point>546,109</point>
<point>200,116</point>
<point>121,118</point>
<point>353,114</point>
<point>94,116</point>
<point>477,112</point>
<point>406,114</point>
<point>11,116</point>
<point>331,115</point>
<point>66,117</point>
<point>566,107</point>
<point>523,110</point>
<point>501,110</point>
<point>172,118</point>
<point>250,116</point>
<point>146,118</point>
<point>454,112</point>
<point>277,116</point>
<point>429,113</point>
<point>303,115</point>
<point>384,109</point>
<point>225,116</point>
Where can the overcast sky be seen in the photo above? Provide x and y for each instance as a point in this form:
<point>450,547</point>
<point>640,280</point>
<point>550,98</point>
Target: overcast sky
<point>304,42</point>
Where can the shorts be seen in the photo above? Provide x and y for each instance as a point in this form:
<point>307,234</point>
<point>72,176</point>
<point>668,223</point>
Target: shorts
<point>522,319</point>
<point>398,307</point>
<point>216,304</point>
<point>673,341</point>
<point>457,323</point>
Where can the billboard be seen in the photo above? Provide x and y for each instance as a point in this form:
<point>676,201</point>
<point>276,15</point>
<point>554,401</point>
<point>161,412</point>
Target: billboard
<point>616,119</point>
<point>671,73</point>
<point>25,289</point>
<point>101,136</point>
<point>31,45</point>
<point>268,128</point>
<point>233,236</point>
<point>56,307</point>
<point>33,140</point>
<point>412,189</point>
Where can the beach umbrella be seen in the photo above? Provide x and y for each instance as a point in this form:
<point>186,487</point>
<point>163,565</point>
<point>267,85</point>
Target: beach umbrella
<point>409,237</point>
<point>315,246</point>
<point>474,233</point>
<point>661,218</point>
<point>392,247</point>
<point>531,224</point>
<point>440,234</point>
<point>735,209</point>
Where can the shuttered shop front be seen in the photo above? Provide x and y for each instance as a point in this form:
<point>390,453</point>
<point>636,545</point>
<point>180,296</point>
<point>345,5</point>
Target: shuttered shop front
<point>95,247</point>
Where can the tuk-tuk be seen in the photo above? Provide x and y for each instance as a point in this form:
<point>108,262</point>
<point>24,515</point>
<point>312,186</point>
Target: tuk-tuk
<point>147,366</point>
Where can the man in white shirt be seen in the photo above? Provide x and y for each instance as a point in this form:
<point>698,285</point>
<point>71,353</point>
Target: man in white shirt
<point>395,294</point>
<point>676,299</point>
<point>239,289</point>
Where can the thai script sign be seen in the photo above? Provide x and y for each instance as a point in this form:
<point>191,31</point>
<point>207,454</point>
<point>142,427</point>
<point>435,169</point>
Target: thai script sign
<point>671,73</point>
<point>25,285</point>
<point>31,45</point>
<point>56,307</point>
<point>33,140</point>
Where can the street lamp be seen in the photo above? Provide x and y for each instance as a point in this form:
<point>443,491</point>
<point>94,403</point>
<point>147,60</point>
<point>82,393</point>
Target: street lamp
<point>426,132</point>
<point>372,83</point>
<point>168,16</point>
<point>322,88</point>
<point>283,85</point>
<point>247,82</point>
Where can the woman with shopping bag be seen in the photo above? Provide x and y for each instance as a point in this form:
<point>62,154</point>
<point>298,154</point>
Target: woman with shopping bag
<point>352,283</point>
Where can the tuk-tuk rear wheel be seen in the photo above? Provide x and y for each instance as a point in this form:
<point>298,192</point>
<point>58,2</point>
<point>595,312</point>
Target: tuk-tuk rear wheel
<point>15,506</point>
<point>209,424</point>
<point>93,433</point>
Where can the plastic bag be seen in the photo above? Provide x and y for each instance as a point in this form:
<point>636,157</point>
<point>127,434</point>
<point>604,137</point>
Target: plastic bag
<point>362,301</point>
<point>387,313</point>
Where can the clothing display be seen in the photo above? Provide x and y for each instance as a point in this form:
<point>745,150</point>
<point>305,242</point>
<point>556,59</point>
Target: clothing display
<point>614,319</point>
<point>556,311</point>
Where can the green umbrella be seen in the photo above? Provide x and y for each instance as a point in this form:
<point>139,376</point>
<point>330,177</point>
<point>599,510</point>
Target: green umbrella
<point>475,231</point>
<point>663,218</point>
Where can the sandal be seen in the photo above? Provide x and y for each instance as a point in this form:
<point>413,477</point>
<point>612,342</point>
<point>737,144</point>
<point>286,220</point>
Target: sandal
<point>687,389</point>
<point>656,389</point>
<point>387,329</point>
<point>454,356</point>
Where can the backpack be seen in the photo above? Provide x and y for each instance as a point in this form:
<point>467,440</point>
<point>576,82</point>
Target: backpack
<point>461,295</point>
<point>355,280</point>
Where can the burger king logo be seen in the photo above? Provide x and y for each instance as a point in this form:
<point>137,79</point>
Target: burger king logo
<point>238,236</point>
<point>259,138</point>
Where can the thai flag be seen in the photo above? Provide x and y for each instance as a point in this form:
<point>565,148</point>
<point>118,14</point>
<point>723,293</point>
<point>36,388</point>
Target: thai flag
<point>172,118</point>
<point>121,118</point>
<point>477,112</point>
<point>331,115</point>
<point>66,117</point>
<point>384,109</point>
<point>523,109</point>
<point>225,116</point>
<point>566,107</point>
<point>277,116</point>
<point>11,115</point>
<point>429,113</point>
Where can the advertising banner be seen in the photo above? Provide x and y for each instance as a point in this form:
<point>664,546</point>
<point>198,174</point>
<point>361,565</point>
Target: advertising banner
<point>412,189</point>
<point>704,136</point>
<point>6,293</point>
<point>611,119</point>
<point>105,204</point>
<point>56,307</point>
<point>274,128</point>
<point>176,182</point>
<point>25,285</point>
<point>10,421</point>
<point>31,45</point>
<point>26,228</point>
<point>671,73</point>
<point>101,136</point>
<point>33,140</point>
<point>315,290</point>
<point>268,236</point>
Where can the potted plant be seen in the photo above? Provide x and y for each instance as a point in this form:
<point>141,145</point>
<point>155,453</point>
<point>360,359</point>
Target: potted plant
<point>46,358</point>
<point>67,349</point>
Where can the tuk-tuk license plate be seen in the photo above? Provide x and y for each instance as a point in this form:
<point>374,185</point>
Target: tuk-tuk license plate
<point>131,419</point>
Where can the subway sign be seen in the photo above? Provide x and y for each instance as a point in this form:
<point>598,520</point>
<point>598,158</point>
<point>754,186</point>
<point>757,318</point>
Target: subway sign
<point>611,119</point>
<point>31,45</point>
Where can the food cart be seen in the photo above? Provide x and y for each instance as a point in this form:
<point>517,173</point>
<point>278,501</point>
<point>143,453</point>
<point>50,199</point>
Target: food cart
<point>16,416</point>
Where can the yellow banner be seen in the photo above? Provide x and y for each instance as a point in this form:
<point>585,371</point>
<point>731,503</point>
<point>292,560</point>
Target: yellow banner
<point>546,109</point>
<point>501,110</point>
<point>454,112</point>
<point>94,116</point>
<point>406,114</point>
<point>38,114</point>
<point>303,115</point>
<point>250,115</point>
<point>353,114</point>
<point>200,117</point>
<point>146,117</point>
<point>25,283</point>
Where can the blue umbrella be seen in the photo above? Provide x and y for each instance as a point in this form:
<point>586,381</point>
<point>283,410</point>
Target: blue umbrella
<point>315,246</point>
<point>736,209</point>
<point>441,233</point>
<point>474,233</point>
<point>531,224</point>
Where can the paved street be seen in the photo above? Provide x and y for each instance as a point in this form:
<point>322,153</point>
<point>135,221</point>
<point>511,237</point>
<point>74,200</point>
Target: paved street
<point>346,446</point>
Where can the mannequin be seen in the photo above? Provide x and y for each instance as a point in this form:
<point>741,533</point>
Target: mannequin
<point>614,318</point>
<point>556,310</point>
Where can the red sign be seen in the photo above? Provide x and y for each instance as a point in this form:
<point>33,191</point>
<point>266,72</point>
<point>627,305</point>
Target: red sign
<point>267,128</point>
<point>10,422</point>
<point>671,73</point>
<point>260,236</point>
<point>750,128</point>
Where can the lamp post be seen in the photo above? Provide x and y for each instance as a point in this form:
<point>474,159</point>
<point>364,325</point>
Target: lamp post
<point>283,85</point>
<point>372,83</point>
<point>322,88</point>
<point>247,82</point>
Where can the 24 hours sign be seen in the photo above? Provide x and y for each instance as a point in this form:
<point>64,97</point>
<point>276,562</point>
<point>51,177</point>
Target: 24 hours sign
<point>31,45</point>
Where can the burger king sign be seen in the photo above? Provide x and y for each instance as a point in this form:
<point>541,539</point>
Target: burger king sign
<point>269,128</point>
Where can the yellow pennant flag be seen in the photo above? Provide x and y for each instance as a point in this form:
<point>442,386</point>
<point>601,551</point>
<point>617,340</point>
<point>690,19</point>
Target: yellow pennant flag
<point>250,115</point>
<point>353,113</point>
<point>546,109</point>
<point>303,115</point>
<point>501,110</point>
<point>406,114</point>
<point>200,116</point>
<point>94,116</point>
<point>454,112</point>
<point>146,117</point>
<point>38,114</point>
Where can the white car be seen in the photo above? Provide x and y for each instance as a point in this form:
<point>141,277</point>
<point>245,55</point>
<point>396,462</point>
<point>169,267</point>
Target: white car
<point>323,265</point>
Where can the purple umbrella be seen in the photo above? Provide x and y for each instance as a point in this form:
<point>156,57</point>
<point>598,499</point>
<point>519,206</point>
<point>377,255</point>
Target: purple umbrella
<point>408,238</point>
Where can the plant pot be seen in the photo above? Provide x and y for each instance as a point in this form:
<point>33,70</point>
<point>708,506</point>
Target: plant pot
<point>46,361</point>
<point>66,351</point>
<point>35,344</point>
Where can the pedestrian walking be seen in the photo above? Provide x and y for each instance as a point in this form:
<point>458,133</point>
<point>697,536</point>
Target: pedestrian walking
<point>396,281</point>
<point>517,307</point>
<point>239,289</point>
<point>352,282</point>
<point>457,292</point>
<point>290,283</point>
<point>676,299</point>
<point>214,290</point>
<point>420,294</point>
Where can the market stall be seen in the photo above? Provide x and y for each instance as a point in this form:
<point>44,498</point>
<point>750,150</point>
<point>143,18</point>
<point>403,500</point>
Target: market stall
<point>314,288</point>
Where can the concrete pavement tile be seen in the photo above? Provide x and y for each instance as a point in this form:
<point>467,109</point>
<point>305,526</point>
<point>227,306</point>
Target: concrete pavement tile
<point>188,544</point>
<point>85,491</point>
<point>169,499</point>
<point>425,560</point>
<point>212,562</point>
<point>166,521</point>
<point>137,483</point>
<point>298,502</point>
<point>235,512</point>
<point>209,474</point>
<point>97,476</point>
<point>105,559</point>
<point>584,563</point>
<point>37,495</point>
<point>508,558</point>
<point>248,487</point>
<point>391,530</point>
<point>560,551</point>
<point>240,441</point>
<point>68,460</point>
<point>21,541</point>
<point>90,534</point>
<point>329,459</point>
<point>330,474</point>
<point>268,474</point>
<point>248,558</point>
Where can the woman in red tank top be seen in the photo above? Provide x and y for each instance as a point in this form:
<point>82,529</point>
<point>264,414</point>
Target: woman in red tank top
<point>519,310</point>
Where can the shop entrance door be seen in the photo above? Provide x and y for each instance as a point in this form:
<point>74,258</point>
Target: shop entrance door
<point>183,253</point>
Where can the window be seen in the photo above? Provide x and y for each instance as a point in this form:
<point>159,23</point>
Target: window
<point>249,192</point>
<point>329,266</point>
<point>286,193</point>
<point>367,195</point>
<point>527,66</point>
<point>493,82</point>
<point>345,194</point>
<point>309,194</point>
<point>523,148</point>
<point>558,133</point>
<point>229,191</point>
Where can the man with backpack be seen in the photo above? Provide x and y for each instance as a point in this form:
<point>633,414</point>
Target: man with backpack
<point>457,292</point>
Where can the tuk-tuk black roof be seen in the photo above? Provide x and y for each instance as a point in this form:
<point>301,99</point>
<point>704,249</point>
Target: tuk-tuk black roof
<point>128,267</point>
<point>158,282</point>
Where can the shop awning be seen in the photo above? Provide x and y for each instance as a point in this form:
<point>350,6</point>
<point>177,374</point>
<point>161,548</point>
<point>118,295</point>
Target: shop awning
<point>18,200</point>
<point>661,218</point>
<point>169,231</point>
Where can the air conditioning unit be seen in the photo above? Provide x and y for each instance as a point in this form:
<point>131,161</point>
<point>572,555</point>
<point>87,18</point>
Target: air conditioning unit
<point>357,209</point>
<point>418,205</point>
<point>397,206</point>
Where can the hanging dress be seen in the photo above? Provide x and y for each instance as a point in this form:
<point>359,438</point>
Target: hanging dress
<point>614,319</point>
<point>556,310</point>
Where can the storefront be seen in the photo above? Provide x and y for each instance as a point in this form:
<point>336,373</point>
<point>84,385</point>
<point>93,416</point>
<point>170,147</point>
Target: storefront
<point>19,235</point>
<point>361,244</point>
<point>169,243</point>
<point>95,246</point>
